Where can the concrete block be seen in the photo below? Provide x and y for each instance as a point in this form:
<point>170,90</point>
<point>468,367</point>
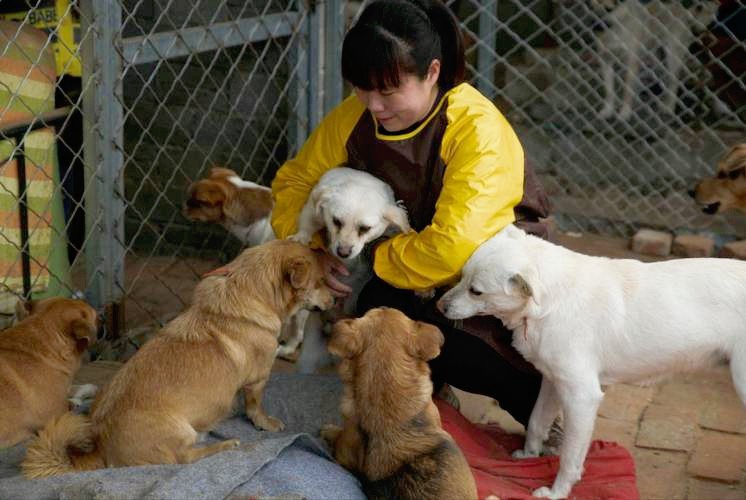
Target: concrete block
<point>734,250</point>
<point>693,245</point>
<point>650,242</point>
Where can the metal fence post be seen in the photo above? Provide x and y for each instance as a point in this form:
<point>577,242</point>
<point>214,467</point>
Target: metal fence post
<point>334,30</point>
<point>316,39</point>
<point>103,146</point>
<point>487,48</point>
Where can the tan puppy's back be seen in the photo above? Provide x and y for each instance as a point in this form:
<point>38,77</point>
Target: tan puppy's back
<point>38,359</point>
<point>391,433</point>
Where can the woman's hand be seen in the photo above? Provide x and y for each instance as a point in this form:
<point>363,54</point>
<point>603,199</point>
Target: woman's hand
<point>334,267</point>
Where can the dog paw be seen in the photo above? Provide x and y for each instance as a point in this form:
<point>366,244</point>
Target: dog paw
<point>521,453</point>
<point>545,492</point>
<point>286,351</point>
<point>271,424</point>
<point>301,237</point>
<point>329,433</point>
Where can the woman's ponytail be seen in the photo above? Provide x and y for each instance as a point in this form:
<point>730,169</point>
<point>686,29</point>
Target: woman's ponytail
<point>448,29</point>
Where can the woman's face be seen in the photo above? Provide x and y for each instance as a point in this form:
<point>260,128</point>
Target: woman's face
<point>401,107</point>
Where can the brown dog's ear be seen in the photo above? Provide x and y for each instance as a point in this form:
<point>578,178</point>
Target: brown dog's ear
<point>428,339</point>
<point>345,341</point>
<point>297,272</point>
<point>254,204</point>
<point>82,329</point>
<point>208,192</point>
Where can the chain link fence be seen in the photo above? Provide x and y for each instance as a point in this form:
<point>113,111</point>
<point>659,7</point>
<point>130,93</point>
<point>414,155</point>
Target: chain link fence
<point>109,109</point>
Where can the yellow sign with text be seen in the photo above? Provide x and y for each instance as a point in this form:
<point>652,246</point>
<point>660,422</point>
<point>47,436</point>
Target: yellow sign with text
<point>61,21</point>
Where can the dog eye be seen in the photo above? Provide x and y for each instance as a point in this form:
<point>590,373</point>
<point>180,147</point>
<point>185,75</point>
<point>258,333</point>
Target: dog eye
<point>474,291</point>
<point>733,174</point>
<point>363,229</point>
<point>722,175</point>
<point>337,223</point>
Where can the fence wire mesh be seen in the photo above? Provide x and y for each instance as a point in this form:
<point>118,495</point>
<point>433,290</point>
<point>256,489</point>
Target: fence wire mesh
<point>621,107</point>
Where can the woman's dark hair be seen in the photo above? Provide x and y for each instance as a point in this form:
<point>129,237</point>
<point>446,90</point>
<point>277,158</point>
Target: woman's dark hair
<point>395,37</point>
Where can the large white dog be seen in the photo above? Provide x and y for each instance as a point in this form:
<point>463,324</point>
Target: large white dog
<point>587,321</point>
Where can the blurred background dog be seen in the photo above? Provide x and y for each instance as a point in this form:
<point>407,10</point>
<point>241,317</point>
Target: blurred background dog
<point>638,30</point>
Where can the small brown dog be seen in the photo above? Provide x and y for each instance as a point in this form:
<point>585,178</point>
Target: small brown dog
<point>391,436</point>
<point>727,190</point>
<point>38,359</point>
<point>242,207</point>
<point>183,381</point>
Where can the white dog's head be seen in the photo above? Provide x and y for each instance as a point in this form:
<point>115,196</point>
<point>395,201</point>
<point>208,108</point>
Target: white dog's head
<point>356,208</point>
<point>497,280</point>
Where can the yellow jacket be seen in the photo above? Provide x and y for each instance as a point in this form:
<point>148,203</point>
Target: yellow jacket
<point>460,173</point>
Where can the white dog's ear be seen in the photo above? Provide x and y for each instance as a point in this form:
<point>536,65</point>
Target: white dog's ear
<point>521,284</point>
<point>397,216</point>
<point>320,197</point>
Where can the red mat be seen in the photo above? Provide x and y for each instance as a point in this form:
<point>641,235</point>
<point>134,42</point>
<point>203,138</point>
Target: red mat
<point>609,468</point>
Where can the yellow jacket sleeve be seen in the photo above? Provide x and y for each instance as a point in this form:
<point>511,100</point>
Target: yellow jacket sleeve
<point>482,183</point>
<point>324,149</point>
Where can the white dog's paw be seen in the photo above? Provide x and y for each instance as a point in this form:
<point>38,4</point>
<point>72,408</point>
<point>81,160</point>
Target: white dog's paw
<point>301,237</point>
<point>286,350</point>
<point>546,492</point>
<point>521,453</point>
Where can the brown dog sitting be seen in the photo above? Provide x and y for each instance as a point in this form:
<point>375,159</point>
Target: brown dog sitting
<point>38,359</point>
<point>727,189</point>
<point>391,436</point>
<point>183,381</point>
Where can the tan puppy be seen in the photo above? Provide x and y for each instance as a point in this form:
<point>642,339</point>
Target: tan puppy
<point>183,381</point>
<point>391,435</point>
<point>727,190</point>
<point>242,207</point>
<point>38,359</point>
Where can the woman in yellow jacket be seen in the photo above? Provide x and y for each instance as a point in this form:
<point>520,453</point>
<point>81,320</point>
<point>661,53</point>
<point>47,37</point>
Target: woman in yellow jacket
<point>454,161</point>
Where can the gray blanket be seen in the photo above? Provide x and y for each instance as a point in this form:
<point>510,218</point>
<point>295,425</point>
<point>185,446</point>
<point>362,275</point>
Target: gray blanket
<point>291,464</point>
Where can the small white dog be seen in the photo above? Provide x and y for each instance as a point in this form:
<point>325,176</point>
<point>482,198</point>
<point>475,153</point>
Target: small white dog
<point>637,30</point>
<point>354,208</point>
<point>587,321</point>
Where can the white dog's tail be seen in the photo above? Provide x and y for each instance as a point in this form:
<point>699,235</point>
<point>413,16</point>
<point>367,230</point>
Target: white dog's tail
<point>66,444</point>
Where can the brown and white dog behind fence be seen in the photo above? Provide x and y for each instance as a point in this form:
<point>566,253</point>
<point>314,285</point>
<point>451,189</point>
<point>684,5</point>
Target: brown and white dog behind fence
<point>727,189</point>
<point>38,359</point>
<point>391,435</point>
<point>183,381</point>
<point>244,209</point>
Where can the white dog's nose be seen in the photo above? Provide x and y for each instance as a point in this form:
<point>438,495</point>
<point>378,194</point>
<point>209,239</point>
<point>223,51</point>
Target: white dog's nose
<point>442,306</point>
<point>344,252</point>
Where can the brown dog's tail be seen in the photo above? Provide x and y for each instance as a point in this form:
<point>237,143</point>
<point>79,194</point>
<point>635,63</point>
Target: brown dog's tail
<point>66,444</point>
